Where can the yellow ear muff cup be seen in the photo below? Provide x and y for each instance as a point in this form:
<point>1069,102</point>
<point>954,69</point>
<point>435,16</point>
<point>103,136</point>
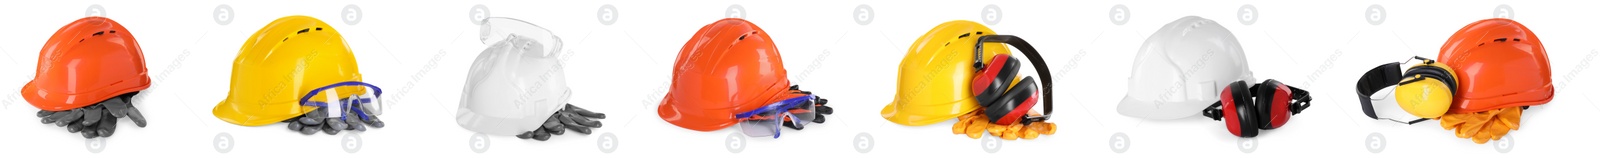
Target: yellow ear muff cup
<point>1426,91</point>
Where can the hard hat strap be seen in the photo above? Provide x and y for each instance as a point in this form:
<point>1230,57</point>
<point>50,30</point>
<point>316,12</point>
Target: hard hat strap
<point>1038,65</point>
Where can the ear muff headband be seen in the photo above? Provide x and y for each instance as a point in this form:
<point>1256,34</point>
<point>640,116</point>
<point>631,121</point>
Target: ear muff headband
<point>1376,79</point>
<point>1033,57</point>
<point>1431,71</point>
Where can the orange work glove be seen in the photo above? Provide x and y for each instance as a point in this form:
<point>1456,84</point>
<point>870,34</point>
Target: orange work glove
<point>1483,126</point>
<point>974,124</point>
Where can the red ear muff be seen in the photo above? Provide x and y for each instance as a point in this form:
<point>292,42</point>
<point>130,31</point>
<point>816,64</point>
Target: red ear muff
<point>994,78</point>
<point>1014,104</point>
<point>1239,110</point>
<point>1248,109</point>
<point>1004,103</point>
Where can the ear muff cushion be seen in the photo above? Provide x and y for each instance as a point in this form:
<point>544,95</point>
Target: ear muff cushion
<point>1238,110</point>
<point>1015,103</point>
<point>1263,97</point>
<point>995,78</point>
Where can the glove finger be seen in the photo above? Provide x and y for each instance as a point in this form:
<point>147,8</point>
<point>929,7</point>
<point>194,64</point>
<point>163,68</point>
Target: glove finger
<point>72,116</point>
<point>1030,134</point>
<point>43,113</point>
<point>819,119</point>
<point>328,128</point>
<point>74,127</point>
<point>976,129</point>
<point>961,125</point>
<point>996,129</point>
<point>1009,135</point>
<point>355,124</point>
<point>541,134</point>
<point>824,109</point>
<point>373,121</point>
<point>336,124</point>
<point>310,129</point>
<point>1511,118</point>
<point>295,126</point>
<point>525,135</point>
<point>91,115</point>
<point>584,112</point>
<point>554,126</point>
<point>136,116</point>
<point>583,120</point>
<point>308,120</point>
<point>88,134</point>
<point>117,106</point>
<point>55,117</point>
<point>107,126</point>
<point>574,126</point>
<point>1497,130</point>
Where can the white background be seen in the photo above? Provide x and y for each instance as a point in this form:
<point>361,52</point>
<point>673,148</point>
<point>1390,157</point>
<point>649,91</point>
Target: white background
<point>418,51</point>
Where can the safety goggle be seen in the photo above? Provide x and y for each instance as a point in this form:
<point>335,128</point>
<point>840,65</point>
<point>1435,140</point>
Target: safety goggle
<point>769,119</point>
<point>358,105</point>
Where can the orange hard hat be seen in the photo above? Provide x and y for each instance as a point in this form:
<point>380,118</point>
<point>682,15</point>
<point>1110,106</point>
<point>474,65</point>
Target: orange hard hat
<point>729,66</point>
<point>86,62</point>
<point>1498,63</point>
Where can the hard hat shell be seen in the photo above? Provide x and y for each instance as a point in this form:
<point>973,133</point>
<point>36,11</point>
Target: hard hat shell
<point>86,62</point>
<point>1181,68</point>
<point>1499,64</point>
<point>727,67</point>
<point>282,62</point>
<point>517,83</point>
<point>935,79</point>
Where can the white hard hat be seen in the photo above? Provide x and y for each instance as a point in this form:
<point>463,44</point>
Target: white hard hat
<point>1182,68</point>
<point>516,83</point>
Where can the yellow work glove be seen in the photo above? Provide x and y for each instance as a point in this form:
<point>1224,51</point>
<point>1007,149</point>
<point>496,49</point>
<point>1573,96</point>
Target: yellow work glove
<point>1483,126</point>
<point>974,124</point>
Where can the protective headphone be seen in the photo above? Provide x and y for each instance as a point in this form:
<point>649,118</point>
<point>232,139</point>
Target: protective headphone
<point>1003,102</point>
<point>1263,106</point>
<point>1415,90</point>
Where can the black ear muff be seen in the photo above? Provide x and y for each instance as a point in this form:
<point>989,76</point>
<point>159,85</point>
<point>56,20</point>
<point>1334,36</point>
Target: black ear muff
<point>994,78</point>
<point>1015,103</point>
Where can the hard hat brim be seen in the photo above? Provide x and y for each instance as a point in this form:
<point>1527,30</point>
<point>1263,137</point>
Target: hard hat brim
<point>707,119</point>
<point>227,112</point>
<point>48,101</point>
<point>1159,110</point>
<point>892,113</point>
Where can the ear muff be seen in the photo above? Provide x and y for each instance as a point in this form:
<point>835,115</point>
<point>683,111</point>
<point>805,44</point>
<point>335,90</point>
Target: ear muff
<point>1014,103</point>
<point>1425,90</point>
<point>1247,109</point>
<point>1239,110</point>
<point>1277,102</point>
<point>994,78</point>
<point>1004,103</point>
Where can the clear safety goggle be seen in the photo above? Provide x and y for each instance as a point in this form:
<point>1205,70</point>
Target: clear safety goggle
<point>769,119</point>
<point>361,105</point>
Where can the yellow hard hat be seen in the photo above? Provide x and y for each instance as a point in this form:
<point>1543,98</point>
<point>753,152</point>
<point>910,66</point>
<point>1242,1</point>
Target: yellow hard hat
<point>280,64</point>
<point>935,81</point>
